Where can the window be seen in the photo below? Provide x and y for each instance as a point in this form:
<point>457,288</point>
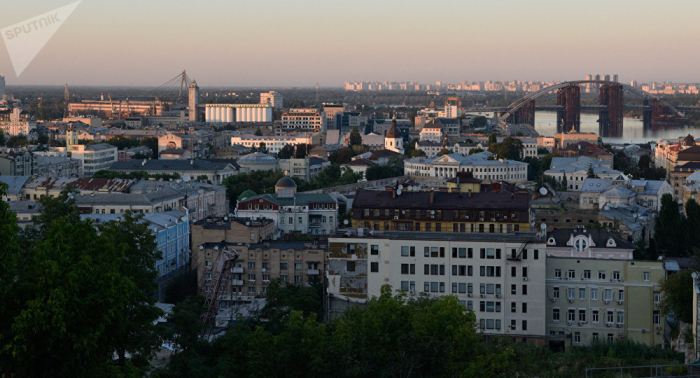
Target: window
<point>610,337</point>
<point>470,253</point>
<point>512,289</point>
<point>621,295</point>
<point>647,276</point>
<point>577,337</point>
<point>251,289</point>
<point>462,253</point>
<point>283,266</point>
<point>657,297</point>
<point>404,285</point>
<point>524,289</point>
<point>571,274</point>
<point>594,294</point>
<point>620,317</point>
<point>513,271</point>
<point>571,315</point>
<point>512,324</point>
<point>374,267</point>
<point>434,287</point>
<point>555,293</point>
<point>555,314</point>
<point>610,317</point>
<point>570,294</point>
<point>581,315</point>
<point>297,266</point>
<point>513,307</point>
<point>524,323</point>
<point>524,308</point>
<point>251,277</point>
<point>601,274</point>
<point>616,275</point>
<point>536,254</point>
<point>470,305</point>
<point>582,293</point>
<point>470,288</point>
<point>595,336</point>
<point>524,271</point>
<point>351,266</point>
<point>297,279</point>
<point>404,268</point>
<point>557,273</point>
<point>283,278</point>
<point>251,265</point>
<point>374,249</point>
<point>587,274</point>
<point>426,251</point>
<point>594,316</point>
<point>608,294</point>
<point>657,317</point>
<point>426,287</point>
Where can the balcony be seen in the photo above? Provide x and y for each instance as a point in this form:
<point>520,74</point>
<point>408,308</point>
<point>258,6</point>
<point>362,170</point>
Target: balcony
<point>238,270</point>
<point>312,272</point>
<point>236,282</point>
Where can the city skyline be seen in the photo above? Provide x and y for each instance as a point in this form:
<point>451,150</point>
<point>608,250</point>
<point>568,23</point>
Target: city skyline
<point>299,44</point>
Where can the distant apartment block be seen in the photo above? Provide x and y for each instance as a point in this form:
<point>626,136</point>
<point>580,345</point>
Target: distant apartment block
<point>272,98</point>
<point>94,157</point>
<point>230,113</point>
<point>16,122</point>
<point>304,120</point>
<point>273,143</point>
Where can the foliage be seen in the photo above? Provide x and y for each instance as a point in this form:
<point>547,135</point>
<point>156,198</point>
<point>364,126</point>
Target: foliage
<point>510,148</point>
<point>393,168</point>
<point>591,173</point>
<point>141,175</point>
<point>668,230</point>
<point>286,152</point>
<point>17,141</point>
<point>417,153</point>
<point>258,132</point>
<point>444,151</point>
<point>73,296</point>
<point>355,137</point>
<point>181,287</point>
<point>475,151</point>
<point>341,156</point>
<point>479,122</point>
<point>678,295</point>
<point>282,299</point>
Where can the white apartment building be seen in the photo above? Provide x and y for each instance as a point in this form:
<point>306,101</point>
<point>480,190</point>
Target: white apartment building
<point>499,277</point>
<point>229,113</point>
<point>431,133</point>
<point>94,157</point>
<point>15,122</point>
<point>305,120</point>
<point>273,143</point>
<point>272,98</point>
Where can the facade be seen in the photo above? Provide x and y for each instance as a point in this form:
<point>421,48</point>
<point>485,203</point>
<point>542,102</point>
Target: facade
<point>431,133</point>
<point>332,110</point>
<point>190,142</point>
<point>575,170</point>
<point>499,277</point>
<point>232,230</point>
<point>230,113</point>
<point>679,176</point>
<point>595,291</point>
<point>667,153</point>
<point>16,122</point>
<point>491,209</point>
<point>273,99</point>
<point>94,157</point>
<point>18,163</point>
<point>393,140</point>
<point>448,166</point>
<point>2,86</point>
<point>563,140</point>
<point>273,143</point>
<point>57,166</point>
<point>304,120</point>
<point>292,212</point>
<point>189,170</point>
<point>158,201</point>
<point>193,100</point>
<point>298,263</point>
<point>202,200</point>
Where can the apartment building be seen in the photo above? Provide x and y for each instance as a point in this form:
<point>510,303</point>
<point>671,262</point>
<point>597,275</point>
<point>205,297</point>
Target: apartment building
<point>595,291</point>
<point>16,122</point>
<point>499,277</point>
<point>94,157</point>
<point>18,163</point>
<point>273,144</point>
<point>304,120</point>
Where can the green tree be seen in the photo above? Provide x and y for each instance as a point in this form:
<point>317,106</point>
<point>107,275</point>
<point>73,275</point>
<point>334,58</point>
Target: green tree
<point>475,151</point>
<point>510,148</point>
<point>590,173</point>
<point>393,168</point>
<point>417,153</point>
<point>286,152</point>
<point>692,224</point>
<point>262,148</point>
<point>355,137</point>
<point>258,132</point>
<point>677,295</point>
<point>492,139</point>
<point>181,287</point>
<point>479,122</point>
<point>282,299</point>
<point>668,230</point>
<point>444,151</point>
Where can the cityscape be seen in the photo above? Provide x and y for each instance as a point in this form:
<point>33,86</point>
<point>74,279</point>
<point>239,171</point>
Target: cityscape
<point>281,212</point>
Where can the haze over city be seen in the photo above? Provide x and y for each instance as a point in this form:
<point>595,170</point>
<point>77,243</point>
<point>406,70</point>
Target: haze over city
<point>247,43</point>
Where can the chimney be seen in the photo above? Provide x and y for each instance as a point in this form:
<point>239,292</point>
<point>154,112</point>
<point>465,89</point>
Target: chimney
<point>470,193</point>
<point>432,196</point>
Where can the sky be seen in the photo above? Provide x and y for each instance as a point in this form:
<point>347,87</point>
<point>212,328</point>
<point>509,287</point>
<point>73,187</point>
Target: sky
<point>278,43</point>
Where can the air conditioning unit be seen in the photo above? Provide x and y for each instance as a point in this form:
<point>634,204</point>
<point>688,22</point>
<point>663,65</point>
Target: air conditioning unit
<point>498,295</point>
<point>584,279</point>
<point>396,217</point>
<point>608,324</point>
<point>571,300</point>
<point>411,292</point>
<point>620,334</point>
<point>566,278</point>
<point>481,219</point>
<point>656,304</point>
<point>569,322</point>
<point>606,301</point>
<point>483,295</point>
<point>525,279</point>
<point>620,302</point>
<point>658,328</point>
<point>580,322</point>
<point>612,280</point>
<point>618,325</point>
<point>470,295</point>
<point>493,219</point>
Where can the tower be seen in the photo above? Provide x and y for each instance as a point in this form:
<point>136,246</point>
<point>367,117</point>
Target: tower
<point>71,137</point>
<point>2,86</point>
<point>66,94</point>
<point>393,140</point>
<point>193,97</point>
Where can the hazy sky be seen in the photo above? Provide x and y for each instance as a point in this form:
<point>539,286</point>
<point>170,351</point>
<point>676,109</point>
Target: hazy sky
<point>299,43</point>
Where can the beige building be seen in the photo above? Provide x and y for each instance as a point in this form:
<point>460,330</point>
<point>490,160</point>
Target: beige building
<point>232,230</point>
<point>562,140</point>
<point>94,157</point>
<point>304,120</point>
<point>272,98</point>
<point>595,291</point>
<point>499,277</point>
<point>15,122</point>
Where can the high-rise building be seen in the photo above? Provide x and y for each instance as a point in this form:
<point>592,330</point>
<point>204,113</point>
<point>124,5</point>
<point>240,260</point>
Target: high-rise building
<point>2,86</point>
<point>193,97</point>
<point>589,85</point>
<point>606,78</point>
<point>615,78</point>
<point>273,99</point>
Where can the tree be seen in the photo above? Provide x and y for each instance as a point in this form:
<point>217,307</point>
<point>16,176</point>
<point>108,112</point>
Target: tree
<point>355,137</point>
<point>444,151</point>
<point>668,230</point>
<point>475,151</point>
<point>678,295</point>
<point>692,224</point>
<point>417,153</point>
<point>510,148</point>
<point>591,173</point>
<point>479,122</point>
<point>258,132</point>
<point>492,139</point>
<point>262,148</point>
<point>282,299</point>
<point>393,168</point>
<point>564,183</point>
<point>286,152</point>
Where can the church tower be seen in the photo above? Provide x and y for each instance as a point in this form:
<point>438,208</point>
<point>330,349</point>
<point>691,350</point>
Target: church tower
<point>71,137</point>
<point>393,140</point>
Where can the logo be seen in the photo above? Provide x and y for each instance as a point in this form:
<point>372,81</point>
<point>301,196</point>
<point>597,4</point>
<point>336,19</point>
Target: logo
<point>24,40</point>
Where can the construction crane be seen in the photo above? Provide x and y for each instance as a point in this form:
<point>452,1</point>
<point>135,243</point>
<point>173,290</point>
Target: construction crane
<point>219,275</point>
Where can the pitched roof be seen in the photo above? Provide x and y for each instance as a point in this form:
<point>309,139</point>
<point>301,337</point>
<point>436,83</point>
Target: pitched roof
<point>595,185</point>
<point>600,237</point>
<point>170,165</point>
<point>300,199</point>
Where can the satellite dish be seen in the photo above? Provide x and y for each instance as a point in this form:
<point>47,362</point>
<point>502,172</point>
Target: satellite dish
<point>694,275</point>
<point>543,227</point>
<point>345,222</point>
<point>201,247</point>
<point>410,188</point>
<point>400,186</point>
<point>264,270</point>
<point>225,218</point>
<point>398,192</point>
<point>543,191</point>
<point>432,212</point>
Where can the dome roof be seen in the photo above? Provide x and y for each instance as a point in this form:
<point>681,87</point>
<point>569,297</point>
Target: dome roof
<point>393,132</point>
<point>286,182</point>
<point>689,141</point>
<point>246,194</point>
<point>257,158</point>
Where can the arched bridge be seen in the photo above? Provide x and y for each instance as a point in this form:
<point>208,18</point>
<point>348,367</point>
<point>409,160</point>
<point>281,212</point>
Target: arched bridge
<point>657,113</point>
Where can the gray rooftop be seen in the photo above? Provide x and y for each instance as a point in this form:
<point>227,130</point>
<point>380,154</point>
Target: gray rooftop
<point>15,183</point>
<point>170,165</point>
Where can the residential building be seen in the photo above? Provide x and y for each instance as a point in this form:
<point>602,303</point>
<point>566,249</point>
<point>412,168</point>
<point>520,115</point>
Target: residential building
<point>431,133</point>
<point>295,262</point>
<point>292,212</point>
<point>16,122</point>
<point>230,113</point>
<point>595,291</point>
<point>190,141</point>
<point>450,127</point>
<point>481,208</point>
<point>129,153</point>
<point>158,201</point>
<point>189,170</point>
<point>479,164</point>
<point>232,230</point>
<point>57,166</point>
<point>667,153</point>
<point>202,200</point>
<point>94,157</point>
<point>679,175</point>
<point>563,140</point>
<point>499,277</point>
<point>14,187</point>
<point>305,168</point>
<point>303,120</point>
<point>576,170</point>
<point>18,163</point>
<point>273,144</point>
<point>52,186</point>
<point>272,98</point>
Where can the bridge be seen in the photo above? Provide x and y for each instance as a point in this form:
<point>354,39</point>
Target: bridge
<point>656,113</point>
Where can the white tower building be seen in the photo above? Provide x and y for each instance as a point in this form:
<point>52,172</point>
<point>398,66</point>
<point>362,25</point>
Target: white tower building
<point>193,97</point>
<point>393,140</point>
